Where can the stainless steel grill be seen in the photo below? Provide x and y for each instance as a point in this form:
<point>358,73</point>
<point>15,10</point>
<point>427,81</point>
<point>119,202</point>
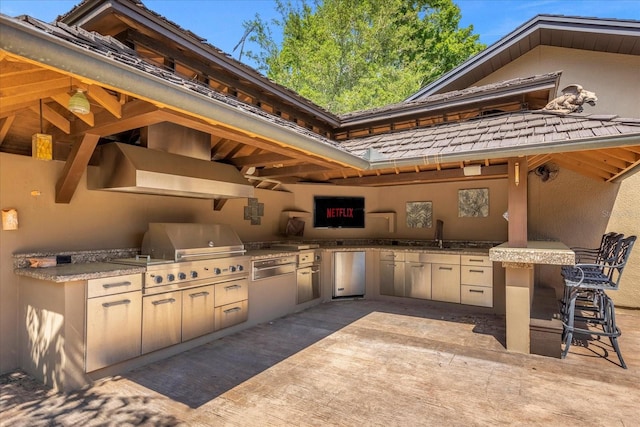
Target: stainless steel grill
<point>181,255</point>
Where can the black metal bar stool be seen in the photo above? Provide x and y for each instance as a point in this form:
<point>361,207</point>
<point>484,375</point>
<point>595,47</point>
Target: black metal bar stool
<point>595,279</point>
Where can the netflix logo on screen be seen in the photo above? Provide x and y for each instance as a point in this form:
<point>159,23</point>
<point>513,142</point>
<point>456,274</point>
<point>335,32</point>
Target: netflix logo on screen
<point>338,212</point>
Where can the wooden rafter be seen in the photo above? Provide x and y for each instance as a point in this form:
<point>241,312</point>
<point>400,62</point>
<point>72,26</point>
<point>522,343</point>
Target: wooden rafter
<point>75,167</point>
<point>5,126</point>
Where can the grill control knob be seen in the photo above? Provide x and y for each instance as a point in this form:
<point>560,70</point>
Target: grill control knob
<point>240,267</point>
<point>157,279</point>
<point>182,276</point>
<point>193,274</point>
<point>171,277</point>
<point>217,271</point>
<point>232,269</point>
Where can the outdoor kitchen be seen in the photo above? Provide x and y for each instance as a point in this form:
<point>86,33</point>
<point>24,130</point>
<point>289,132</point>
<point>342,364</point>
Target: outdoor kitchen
<point>181,215</point>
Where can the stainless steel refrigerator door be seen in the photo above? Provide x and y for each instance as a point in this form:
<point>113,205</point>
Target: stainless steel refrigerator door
<point>348,274</point>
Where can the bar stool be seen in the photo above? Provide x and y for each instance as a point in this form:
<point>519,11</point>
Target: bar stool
<point>595,279</point>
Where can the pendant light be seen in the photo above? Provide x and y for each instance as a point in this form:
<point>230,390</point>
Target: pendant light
<point>79,103</point>
<point>41,143</point>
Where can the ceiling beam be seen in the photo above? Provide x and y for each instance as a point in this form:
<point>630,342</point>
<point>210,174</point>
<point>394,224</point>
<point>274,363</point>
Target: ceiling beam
<point>106,100</point>
<point>75,167</point>
<point>4,128</point>
<point>53,117</point>
<point>259,159</point>
<point>63,98</point>
<point>301,170</point>
<point>135,114</point>
<point>488,172</point>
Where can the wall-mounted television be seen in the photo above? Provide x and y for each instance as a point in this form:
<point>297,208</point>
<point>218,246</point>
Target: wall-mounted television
<point>338,212</point>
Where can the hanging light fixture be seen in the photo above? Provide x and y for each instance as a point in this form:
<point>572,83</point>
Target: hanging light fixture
<point>41,143</point>
<point>79,103</point>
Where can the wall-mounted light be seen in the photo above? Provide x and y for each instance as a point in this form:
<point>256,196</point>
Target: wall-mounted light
<point>472,170</point>
<point>9,219</point>
<point>79,103</point>
<point>516,177</point>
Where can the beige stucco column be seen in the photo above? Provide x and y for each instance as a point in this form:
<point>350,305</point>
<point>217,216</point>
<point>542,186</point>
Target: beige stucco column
<point>519,294</point>
<point>518,263</point>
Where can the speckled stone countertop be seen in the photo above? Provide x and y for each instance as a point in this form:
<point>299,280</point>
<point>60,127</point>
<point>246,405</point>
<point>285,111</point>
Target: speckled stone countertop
<point>536,252</point>
<point>72,272</point>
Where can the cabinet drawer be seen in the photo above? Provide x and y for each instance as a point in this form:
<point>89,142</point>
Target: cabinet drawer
<point>392,256</point>
<point>231,314</point>
<point>481,276</point>
<point>479,260</point>
<point>232,291</point>
<point>441,258</point>
<point>114,285</point>
<point>476,295</point>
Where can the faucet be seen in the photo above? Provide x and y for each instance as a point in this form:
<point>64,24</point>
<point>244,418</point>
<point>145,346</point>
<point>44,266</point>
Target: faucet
<point>439,233</point>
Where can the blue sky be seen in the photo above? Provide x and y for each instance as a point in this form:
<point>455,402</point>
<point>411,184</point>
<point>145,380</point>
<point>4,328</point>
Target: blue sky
<point>220,21</point>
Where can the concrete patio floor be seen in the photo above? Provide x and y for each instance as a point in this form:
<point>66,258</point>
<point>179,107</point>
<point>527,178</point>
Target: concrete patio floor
<point>355,363</point>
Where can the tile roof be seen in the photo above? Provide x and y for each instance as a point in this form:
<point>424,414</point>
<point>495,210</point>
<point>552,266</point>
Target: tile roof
<point>111,49</point>
<point>442,98</point>
<point>508,130</point>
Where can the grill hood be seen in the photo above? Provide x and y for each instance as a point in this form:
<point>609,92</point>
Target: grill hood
<point>134,169</point>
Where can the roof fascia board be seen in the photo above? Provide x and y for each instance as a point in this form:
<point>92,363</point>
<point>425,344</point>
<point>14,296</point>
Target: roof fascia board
<point>463,100</point>
<point>629,28</point>
<point>578,145</point>
<point>25,41</point>
<point>196,45</point>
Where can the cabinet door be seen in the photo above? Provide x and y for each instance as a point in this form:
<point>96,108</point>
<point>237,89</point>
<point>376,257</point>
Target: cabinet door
<point>113,329</point>
<point>445,282</point>
<point>161,320</point>
<point>304,284</point>
<point>197,312</point>
<point>417,280</point>
<point>392,278</point>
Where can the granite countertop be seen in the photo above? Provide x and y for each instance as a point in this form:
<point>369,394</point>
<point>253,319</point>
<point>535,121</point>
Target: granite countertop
<point>85,271</point>
<point>536,252</point>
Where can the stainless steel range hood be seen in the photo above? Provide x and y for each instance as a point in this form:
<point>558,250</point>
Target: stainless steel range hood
<point>133,169</point>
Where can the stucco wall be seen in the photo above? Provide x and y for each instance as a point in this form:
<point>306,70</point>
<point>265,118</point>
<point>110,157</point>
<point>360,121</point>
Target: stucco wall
<point>575,209</point>
<point>613,77</point>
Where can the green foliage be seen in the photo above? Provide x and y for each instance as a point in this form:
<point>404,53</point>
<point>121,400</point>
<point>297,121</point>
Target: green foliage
<point>348,55</point>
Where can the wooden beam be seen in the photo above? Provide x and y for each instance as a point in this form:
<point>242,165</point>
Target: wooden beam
<point>259,159</point>
<point>218,204</point>
<point>106,100</point>
<point>300,170</point>
<point>443,175</point>
<point>517,202</point>
<point>63,98</point>
<point>623,154</point>
<point>4,128</point>
<point>135,114</point>
<point>579,166</point>
<point>602,156</point>
<point>75,167</point>
<point>53,117</point>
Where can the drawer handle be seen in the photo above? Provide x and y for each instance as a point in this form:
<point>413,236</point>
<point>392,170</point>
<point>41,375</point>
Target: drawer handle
<point>305,273</point>
<point>114,303</point>
<point>418,266</point>
<point>232,310</point>
<point>315,271</point>
<point>445,268</point>
<point>199,294</point>
<point>164,301</point>
<point>115,285</point>
<point>476,291</point>
<point>475,260</point>
<point>476,271</point>
<point>228,288</point>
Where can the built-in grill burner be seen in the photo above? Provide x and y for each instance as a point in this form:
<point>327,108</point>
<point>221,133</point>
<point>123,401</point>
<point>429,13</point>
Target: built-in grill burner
<point>181,255</point>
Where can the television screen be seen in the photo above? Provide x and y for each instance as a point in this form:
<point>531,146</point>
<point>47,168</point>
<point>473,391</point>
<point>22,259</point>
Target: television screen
<point>338,212</point>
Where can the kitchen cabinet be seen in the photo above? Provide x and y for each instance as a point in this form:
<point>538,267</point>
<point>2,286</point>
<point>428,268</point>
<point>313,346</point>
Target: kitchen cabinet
<point>445,278</point>
<point>161,320</point>
<point>349,273</point>
<point>231,303</point>
<point>417,276</point>
<point>197,312</point>
<point>392,272</point>
<point>476,278</point>
<point>113,320</point>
